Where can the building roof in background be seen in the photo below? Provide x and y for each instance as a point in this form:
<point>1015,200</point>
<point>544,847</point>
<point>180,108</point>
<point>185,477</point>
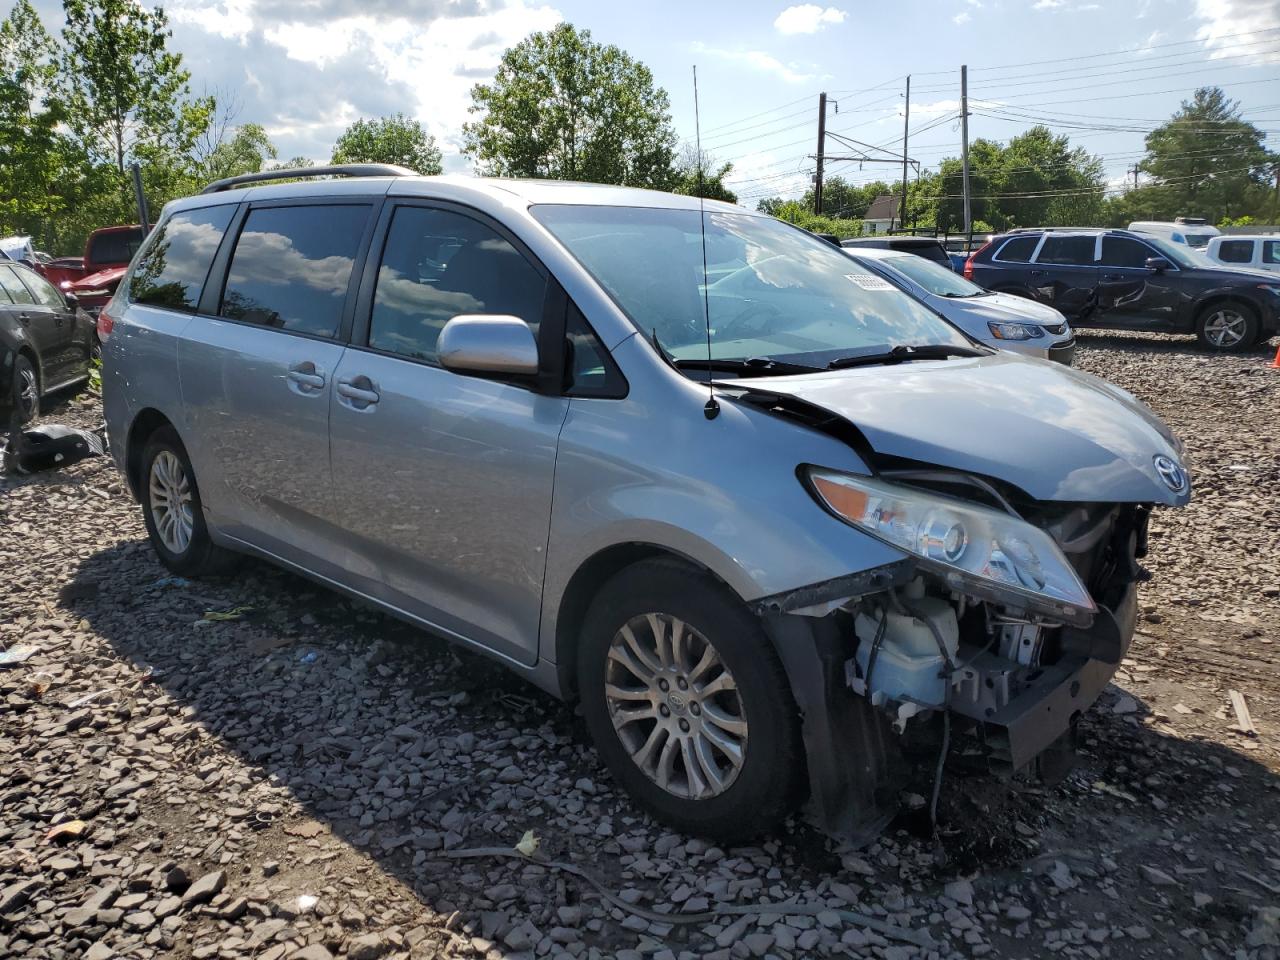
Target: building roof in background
<point>884,207</point>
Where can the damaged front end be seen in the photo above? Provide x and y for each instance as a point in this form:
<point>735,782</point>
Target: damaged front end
<point>1004,622</point>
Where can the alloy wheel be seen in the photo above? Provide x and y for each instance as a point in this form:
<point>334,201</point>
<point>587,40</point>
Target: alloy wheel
<point>1225,328</point>
<point>171,502</point>
<point>28,391</point>
<point>675,706</point>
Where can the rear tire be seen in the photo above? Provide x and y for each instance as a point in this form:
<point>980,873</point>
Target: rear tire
<point>1227,328</point>
<point>688,703</point>
<point>173,511</point>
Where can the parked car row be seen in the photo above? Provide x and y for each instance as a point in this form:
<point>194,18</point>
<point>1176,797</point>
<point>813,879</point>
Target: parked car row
<point>753,506</point>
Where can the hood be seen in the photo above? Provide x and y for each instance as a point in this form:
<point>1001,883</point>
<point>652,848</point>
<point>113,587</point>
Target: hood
<point>103,278</point>
<point>1053,432</point>
<point>998,308</point>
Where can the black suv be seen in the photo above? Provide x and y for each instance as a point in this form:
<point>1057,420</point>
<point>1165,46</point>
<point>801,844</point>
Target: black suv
<point>1124,280</point>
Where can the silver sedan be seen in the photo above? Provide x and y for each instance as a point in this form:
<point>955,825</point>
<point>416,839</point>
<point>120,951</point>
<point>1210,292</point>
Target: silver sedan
<point>997,319</point>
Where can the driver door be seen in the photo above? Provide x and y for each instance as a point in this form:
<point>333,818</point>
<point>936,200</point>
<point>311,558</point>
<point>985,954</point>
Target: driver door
<point>442,480</point>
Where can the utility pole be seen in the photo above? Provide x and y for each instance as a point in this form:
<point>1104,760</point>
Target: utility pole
<point>1134,171</point>
<point>822,137</point>
<point>906,128</point>
<point>964,147</point>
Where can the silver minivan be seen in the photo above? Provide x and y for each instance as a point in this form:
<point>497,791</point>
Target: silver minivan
<point>757,512</point>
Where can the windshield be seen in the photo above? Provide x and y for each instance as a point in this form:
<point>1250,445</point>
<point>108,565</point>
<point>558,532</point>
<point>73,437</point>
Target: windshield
<point>1199,240</point>
<point>934,277</point>
<point>772,292</point>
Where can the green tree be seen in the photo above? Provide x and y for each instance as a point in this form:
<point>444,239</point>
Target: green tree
<point>246,151</point>
<point>33,154</point>
<point>844,200</point>
<point>700,174</point>
<point>1037,179</point>
<point>397,140</point>
<point>566,108</point>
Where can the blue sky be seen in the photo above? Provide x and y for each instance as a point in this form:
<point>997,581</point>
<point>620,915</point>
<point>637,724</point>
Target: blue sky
<point>1103,71</point>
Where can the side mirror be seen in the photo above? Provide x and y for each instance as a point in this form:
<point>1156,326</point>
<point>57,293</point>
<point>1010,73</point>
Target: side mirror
<point>488,343</point>
<point>72,300</point>
<point>1158,264</point>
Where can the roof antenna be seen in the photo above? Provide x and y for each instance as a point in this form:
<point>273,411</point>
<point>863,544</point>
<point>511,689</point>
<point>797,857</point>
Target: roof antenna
<point>712,409</point>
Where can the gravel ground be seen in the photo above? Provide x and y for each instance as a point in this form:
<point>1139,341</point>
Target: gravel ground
<point>254,767</point>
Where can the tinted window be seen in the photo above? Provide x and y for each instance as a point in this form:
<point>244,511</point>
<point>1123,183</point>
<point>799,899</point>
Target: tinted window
<point>1075,250</point>
<point>176,262</point>
<point>116,247</point>
<point>1236,251</point>
<point>13,286</point>
<point>438,264</point>
<point>930,251</point>
<point>1125,252</point>
<point>1271,251</point>
<point>41,289</point>
<point>292,266</point>
<point>1018,250</point>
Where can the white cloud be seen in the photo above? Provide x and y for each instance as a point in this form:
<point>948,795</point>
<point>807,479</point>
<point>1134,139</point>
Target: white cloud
<point>1231,25</point>
<point>962,17</point>
<point>807,18</point>
<point>936,108</point>
<point>758,60</point>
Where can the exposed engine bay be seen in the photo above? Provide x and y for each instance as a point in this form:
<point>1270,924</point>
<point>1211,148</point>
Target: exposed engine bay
<point>999,681</point>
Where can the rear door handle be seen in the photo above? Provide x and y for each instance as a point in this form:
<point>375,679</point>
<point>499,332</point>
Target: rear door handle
<point>359,393</point>
<point>306,378</point>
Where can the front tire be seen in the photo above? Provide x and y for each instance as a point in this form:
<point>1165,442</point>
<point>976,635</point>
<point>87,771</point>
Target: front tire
<point>173,511</point>
<point>687,702</point>
<point>26,390</point>
<point>1227,328</point>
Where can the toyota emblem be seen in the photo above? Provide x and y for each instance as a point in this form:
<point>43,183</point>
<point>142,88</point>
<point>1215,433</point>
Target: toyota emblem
<point>1172,473</point>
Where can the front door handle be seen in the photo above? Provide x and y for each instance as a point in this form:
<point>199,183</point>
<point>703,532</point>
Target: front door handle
<point>24,319</point>
<point>359,393</point>
<point>306,378</point>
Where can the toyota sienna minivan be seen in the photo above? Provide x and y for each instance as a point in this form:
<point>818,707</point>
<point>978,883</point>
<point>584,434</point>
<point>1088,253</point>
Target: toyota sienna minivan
<point>758,512</point>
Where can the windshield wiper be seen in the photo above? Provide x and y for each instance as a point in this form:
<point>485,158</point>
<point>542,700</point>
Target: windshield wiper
<point>752,366</point>
<point>928,351</point>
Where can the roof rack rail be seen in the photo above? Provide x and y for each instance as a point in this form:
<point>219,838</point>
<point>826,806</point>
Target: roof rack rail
<point>1055,229</point>
<point>335,170</point>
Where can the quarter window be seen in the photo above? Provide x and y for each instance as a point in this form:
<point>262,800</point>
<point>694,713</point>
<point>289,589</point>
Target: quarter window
<point>174,266</point>
<point>1018,250</point>
<point>1236,251</point>
<point>438,264</point>
<point>1271,251</point>
<point>1067,251</point>
<point>292,266</point>
<point>14,287</point>
<point>1125,252</point>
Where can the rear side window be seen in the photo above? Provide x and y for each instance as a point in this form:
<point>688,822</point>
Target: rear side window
<point>174,267</point>
<point>1236,251</point>
<point>1017,250</point>
<point>1271,251</point>
<point>41,289</point>
<point>119,246</point>
<point>1125,252</point>
<point>438,264</point>
<point>1069,251</point>
<point>292,266</point>
<point>14,287</point>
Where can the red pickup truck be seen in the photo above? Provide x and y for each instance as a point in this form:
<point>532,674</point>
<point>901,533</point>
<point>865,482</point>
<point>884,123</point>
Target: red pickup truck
<point>107,253</point>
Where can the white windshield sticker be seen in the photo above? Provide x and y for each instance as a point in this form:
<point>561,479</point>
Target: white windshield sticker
<point>867,282</point>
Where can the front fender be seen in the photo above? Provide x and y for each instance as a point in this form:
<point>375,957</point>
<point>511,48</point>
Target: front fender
<point>721,492</point>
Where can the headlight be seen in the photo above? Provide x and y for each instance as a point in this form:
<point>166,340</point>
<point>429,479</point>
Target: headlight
<point>969,545</point>
<point>1015,331</point>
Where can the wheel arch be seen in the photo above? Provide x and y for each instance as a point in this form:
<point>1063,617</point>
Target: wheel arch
<point>146,423</point>
<point>592,574</point>
<point>1221,298</point>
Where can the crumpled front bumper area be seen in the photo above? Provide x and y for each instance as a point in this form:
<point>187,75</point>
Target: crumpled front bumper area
<point>1052,698</point>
